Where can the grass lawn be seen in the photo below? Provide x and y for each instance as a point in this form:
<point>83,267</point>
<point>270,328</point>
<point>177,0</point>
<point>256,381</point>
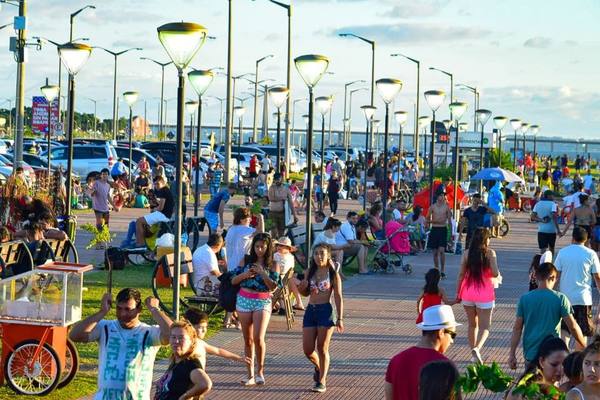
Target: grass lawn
<point>95,286</point>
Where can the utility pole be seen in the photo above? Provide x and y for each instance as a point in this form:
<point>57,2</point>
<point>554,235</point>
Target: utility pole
<point>20,90</point>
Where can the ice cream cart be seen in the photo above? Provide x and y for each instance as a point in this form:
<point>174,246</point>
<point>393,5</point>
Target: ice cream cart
<point>36,309</point>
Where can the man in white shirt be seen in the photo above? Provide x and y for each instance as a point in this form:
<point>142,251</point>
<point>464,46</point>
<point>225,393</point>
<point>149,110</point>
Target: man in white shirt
<point>577,265</point>
<point>359,248</point>
<point>206,266</point>
<point>399,213</point>
<point>127,346</point>
<point>588,181</point>
<point>265,164</point>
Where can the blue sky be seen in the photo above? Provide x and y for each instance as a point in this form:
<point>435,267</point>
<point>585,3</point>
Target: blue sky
<point>535,60</point>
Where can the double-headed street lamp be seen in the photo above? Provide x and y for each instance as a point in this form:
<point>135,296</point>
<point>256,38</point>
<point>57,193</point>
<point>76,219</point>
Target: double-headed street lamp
<point>500,122</point>
<point>279,95</point>
<point>457,109</point>
<point>116,55</point>
<point>74,56</point>
<point>311,68</point>
<point>162,88</point>
<point>200,80</point>
<point>417,110</point>
<point>515,123</point>
<point>181,40</point>
<point>324,106</point>
<point>50,92</point>
<point>369,112</point>
<point>434,99</point>
<point>401,119</point>
<point>388,89</point>
<point>130,98</point>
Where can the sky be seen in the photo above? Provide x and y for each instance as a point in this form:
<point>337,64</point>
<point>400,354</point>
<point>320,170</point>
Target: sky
<point>535,60</point>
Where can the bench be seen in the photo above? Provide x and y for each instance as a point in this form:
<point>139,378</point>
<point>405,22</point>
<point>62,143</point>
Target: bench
<point>14,253</point>
<point>63,250</point>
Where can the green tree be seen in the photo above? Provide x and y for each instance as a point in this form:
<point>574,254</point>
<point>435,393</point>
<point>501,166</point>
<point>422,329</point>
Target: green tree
<point>503,159</point>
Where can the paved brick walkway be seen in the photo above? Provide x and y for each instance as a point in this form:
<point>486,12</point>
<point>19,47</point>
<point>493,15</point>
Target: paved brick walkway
<point>379,319</point>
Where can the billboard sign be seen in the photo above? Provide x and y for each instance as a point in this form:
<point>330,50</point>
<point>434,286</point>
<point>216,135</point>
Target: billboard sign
<point>39,115</point>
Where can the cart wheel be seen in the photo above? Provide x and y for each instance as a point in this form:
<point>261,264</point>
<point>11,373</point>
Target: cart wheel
<point>71,365</point>
<point>41,378</point>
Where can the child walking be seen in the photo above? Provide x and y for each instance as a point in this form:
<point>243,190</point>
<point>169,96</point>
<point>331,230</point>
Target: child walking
<point>432,294</point>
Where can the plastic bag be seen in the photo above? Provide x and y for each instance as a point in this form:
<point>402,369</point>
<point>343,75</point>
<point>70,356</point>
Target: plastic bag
<point>166,240</point>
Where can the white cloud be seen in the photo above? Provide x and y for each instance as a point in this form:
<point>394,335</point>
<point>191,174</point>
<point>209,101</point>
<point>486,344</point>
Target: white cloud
<point>538,42</point>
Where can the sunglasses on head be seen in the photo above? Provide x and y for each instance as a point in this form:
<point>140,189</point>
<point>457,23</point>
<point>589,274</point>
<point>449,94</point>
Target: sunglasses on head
<point>451,333</point>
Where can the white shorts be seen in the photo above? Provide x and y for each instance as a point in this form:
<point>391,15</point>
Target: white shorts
<point>155,217</point>
<point>484,306</point>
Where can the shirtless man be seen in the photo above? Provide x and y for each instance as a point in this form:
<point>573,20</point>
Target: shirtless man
<point>439,217</point>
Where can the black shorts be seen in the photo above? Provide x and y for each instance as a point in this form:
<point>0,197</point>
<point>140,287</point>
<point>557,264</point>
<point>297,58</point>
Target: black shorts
<point>253,174</point>
<point>585,319</point>
<point>546,240</point>
<point>438,237</point>
<point>318,316</point>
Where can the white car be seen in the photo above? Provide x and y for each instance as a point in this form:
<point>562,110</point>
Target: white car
<point>86,157</point>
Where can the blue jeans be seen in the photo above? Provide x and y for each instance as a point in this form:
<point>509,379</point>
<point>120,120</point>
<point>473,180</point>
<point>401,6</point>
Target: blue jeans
<point>130,237</point>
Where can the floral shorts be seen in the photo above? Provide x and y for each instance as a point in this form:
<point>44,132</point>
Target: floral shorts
<point>245,304</point>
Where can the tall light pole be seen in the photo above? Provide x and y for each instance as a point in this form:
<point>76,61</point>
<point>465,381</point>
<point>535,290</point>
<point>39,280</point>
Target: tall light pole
<point>311,68</point>
<point>74,56</point>
<point>294,117</point>
<point>162,89</point>
<point>423,123</point>
<point>345,103</point>
<point>278,95</point>
<point>451,76</point>
<point>534,130</point>
<point>369,112</point>
<point>116,55</point>
<point>401,119</point>
<point>350,116</point>
<point>417,111</point>
<point>434,99</point>
<point>190,107</point>
<point>372,43</point>
<point>95,113</point>
<point>50,92</point>
<point>483,116</point>
<point>524,129</point>
<point>200,80</point>
<point>323,105</point>
<point>500,122</point>
<point>254,122</point>
<point>447,124</point>
<point>388,89</point>
<point>475,92</point>
<point>130,98</point>
<point>72,19</point>
<point>457,109</point>
<point>238,112</point>
<point>181,40</point>
<point>515,123</point>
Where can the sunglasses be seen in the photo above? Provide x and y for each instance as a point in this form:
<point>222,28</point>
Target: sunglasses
<point>451,333</point>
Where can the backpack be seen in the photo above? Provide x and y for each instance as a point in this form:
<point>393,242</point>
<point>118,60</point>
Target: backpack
<point>228,292</point>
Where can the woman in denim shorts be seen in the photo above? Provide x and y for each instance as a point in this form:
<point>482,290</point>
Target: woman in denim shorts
<point>258,276</point>
<point>320,282</point>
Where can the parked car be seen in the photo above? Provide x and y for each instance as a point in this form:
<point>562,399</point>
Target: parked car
<point>86,157</point>
<point>137,154</point>
<point>7,162</point>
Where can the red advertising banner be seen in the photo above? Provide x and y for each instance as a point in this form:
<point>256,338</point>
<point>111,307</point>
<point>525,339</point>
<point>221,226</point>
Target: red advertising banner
<point>39,115</point>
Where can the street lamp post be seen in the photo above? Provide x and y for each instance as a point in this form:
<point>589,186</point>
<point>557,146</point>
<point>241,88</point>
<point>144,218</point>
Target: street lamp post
<point>279,95</point>
<point>516,125</point>
<point>181,40</point>
<point>372,43</point>
<point>294,117</point>
<point>350,116</point>
<point>500,122</point>
<point>190,107</point>
<point>434,99</point>
<point>162,89</point>
<point>417,110</point>
<point>238,112</point>
<point>201,80</point>
<point>74,56</point>
<point>534,129</point>
<point>451,76</point>
<point>323,105</point>
<point>50,92</point>
<point>95,110</point>
<point>401,119</point>
<point>254,123</point>
<point>476,101</point>
<point>388,89</point>
<point>524,129</point>
<point>305,118</point>
<point>447,124</point>
<point>457,109</point>
<point>345,109</point>
<point>130,98</point>
<point>423,123</point>
<point>311,68</point>
<point>369,112</point>
<point>483,116</point>
<point>116,55</point>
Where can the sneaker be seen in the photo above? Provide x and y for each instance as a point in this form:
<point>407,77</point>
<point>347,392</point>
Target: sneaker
<point>476,355</point>
<point>316,375</point>
<point>248,382</point>
<point>319,388</point>
<point>260,380</point>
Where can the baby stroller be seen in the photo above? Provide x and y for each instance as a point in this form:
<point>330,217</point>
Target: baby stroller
<point>390,254</point>
<point>353,188</point>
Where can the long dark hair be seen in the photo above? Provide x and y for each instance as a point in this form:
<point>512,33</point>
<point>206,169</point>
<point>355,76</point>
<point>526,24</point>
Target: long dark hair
<point>312,269</point>
<point>549,345</point>
<point>437,381</point>
<point>477,258</point>
<point>432,281</point>
<point>417,213</point>
<point>252,257</point>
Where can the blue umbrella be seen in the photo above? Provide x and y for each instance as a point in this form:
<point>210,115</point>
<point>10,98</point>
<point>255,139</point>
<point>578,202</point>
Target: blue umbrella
<point>496,174</point>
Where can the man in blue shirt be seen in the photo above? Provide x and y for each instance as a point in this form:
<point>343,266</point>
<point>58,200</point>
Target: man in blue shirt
<point>213,210</point>
<point>118,169</point>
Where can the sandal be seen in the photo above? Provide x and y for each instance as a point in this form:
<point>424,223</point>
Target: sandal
<point>248,381</point>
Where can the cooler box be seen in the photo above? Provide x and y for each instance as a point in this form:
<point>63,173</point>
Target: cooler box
<point>161,279</point>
